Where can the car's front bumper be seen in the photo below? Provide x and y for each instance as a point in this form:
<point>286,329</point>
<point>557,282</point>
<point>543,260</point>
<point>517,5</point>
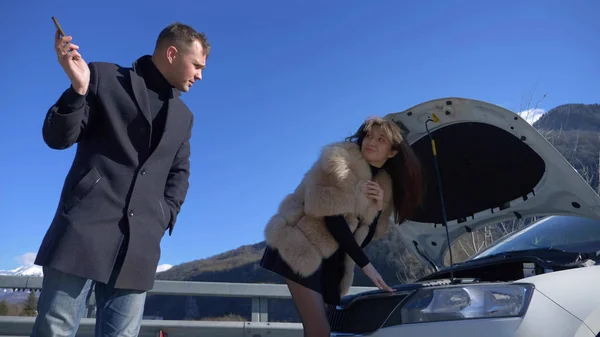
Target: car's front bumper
<point>543,318</point>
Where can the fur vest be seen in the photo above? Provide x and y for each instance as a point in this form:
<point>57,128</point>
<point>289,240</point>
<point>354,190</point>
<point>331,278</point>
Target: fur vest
<point>332,186</point>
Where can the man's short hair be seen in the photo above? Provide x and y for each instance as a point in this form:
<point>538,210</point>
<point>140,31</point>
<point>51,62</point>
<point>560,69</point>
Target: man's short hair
<point>182,36</point>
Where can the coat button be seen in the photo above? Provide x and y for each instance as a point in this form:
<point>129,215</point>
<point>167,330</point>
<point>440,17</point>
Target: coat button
<point>143,171</point>
<point>130,213</point>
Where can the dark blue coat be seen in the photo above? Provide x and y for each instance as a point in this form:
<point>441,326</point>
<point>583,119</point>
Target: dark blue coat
<point>116,185</point>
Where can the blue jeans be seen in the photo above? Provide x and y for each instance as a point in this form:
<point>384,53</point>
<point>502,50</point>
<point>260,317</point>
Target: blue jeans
<point>62,304</point>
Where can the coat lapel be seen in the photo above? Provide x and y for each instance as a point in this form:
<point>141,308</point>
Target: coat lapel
<point>139,91</point>
<point>171,122</point>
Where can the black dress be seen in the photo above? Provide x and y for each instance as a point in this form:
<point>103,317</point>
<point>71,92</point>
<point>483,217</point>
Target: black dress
<point>326,280</point>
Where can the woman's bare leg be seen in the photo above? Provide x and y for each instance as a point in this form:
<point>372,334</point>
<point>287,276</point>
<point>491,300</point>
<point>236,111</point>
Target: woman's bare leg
<point>311,308</point>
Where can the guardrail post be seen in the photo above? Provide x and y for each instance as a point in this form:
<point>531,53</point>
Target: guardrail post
<point>260,309</point>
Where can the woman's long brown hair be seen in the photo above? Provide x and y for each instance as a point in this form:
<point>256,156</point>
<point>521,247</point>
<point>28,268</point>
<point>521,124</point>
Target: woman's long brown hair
<point>404,168</point>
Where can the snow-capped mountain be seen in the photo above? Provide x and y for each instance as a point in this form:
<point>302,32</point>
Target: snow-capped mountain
<point>19,296</point>
<point>31,270</point>
<point>163,267</point>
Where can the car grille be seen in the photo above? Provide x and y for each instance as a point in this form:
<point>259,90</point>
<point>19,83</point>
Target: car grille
<point>363,315</point>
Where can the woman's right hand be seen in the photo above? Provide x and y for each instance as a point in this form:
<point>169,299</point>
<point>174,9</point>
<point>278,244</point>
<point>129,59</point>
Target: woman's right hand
<point>72,63</point>
<point>372,273</point>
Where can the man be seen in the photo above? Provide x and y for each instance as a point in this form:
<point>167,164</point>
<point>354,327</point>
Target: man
<point>127,183</point>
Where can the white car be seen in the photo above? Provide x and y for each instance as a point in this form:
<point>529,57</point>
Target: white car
<point>539,281</point>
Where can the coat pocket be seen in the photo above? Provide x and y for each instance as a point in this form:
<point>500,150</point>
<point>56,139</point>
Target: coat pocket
<point>82,189</point>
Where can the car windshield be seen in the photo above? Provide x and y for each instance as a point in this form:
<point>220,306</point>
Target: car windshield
<point>569,233</point>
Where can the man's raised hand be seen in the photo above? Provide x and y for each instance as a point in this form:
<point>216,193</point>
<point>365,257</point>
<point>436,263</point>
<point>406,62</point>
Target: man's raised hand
<point>72,63</point>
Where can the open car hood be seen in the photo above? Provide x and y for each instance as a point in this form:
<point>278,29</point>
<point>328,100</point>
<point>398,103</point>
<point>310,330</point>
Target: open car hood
<point>494,166</point>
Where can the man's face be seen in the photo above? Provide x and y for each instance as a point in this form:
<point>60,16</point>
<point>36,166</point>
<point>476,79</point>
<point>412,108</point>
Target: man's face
<point>185,66</point>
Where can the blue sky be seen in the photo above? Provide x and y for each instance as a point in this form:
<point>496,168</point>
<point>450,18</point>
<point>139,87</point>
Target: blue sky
<point>284,78</point>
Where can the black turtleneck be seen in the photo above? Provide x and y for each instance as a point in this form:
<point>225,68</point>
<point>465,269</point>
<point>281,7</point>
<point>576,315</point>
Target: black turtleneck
<point>159,92</point>
<point>374,170</point>
<point>339,229</point>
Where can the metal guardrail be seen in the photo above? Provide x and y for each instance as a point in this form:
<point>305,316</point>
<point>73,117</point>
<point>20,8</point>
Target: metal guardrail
<point>258,326</point>
<point>21,326</point>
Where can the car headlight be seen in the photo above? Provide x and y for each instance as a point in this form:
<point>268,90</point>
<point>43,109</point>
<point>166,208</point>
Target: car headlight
<point>463,302</point>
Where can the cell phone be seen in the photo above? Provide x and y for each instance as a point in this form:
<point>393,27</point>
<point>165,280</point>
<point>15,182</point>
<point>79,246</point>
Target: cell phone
<point>62,33</point>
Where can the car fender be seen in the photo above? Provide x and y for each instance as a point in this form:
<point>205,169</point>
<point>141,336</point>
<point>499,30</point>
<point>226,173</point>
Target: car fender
<point>575,290</point>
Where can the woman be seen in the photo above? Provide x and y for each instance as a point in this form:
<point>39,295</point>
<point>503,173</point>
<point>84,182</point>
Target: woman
<point>344,201</point>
